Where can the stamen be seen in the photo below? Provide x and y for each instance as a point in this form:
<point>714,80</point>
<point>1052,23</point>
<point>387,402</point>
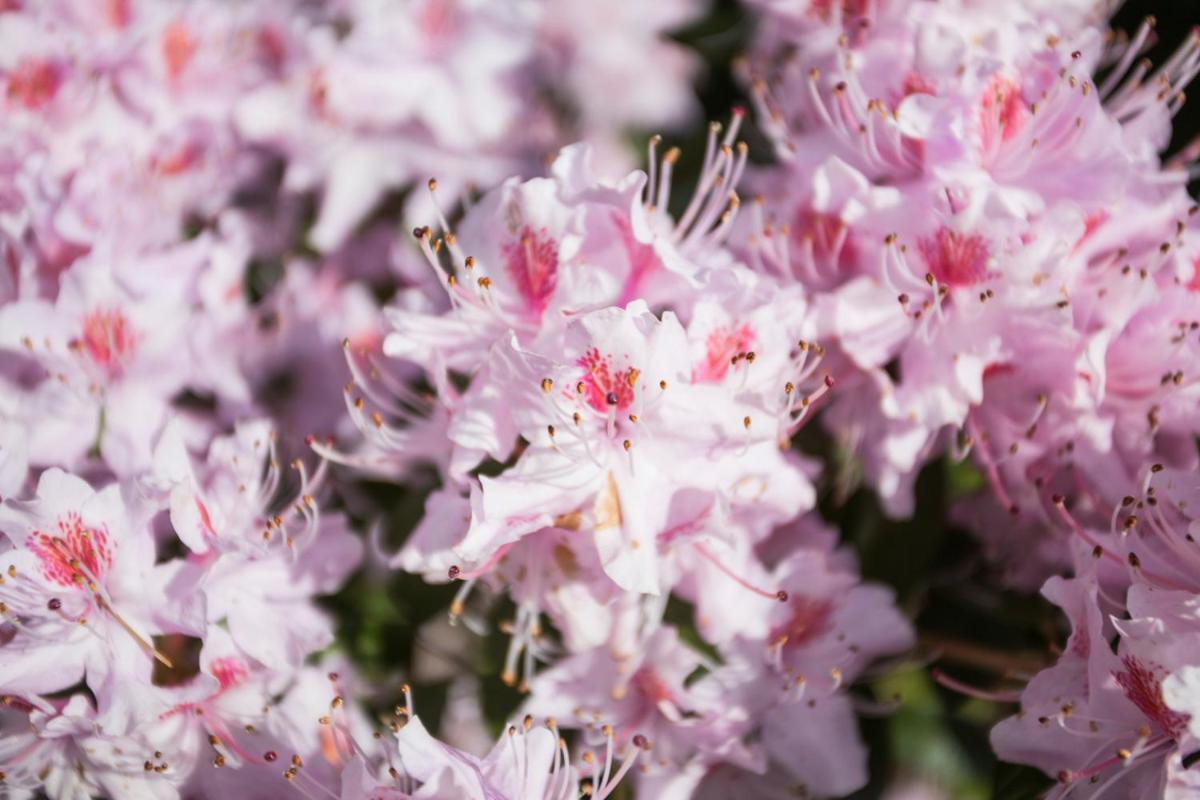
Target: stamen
<point>703,550</point>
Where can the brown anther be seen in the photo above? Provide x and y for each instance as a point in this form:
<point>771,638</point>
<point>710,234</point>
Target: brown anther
<point>628,445</point>
<point>547,384</point>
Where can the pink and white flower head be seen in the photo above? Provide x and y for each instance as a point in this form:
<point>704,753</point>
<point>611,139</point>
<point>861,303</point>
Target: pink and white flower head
<point>60,749</point>
<point>100,365</point>
<point>612,691</point>
<point>82,597</point>
<point>611,419</point>
<point>528,761</point>
<point>261,549</point>
<point>1038,189</point>
<point>548,250</point>
<point>1098,719</point>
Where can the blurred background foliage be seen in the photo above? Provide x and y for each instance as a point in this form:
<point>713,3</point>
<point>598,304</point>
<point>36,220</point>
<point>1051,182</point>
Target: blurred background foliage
<point>916,729</point>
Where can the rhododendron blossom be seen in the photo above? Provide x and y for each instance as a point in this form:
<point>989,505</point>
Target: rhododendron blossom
<point>416,399</point>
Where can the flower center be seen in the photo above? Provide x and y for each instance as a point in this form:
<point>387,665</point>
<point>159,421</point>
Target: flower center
<point>1143,687</point>
<point>954,258</point>
<point>809,619</point>
<point>652,687</point>
<point>178,48</point>
<point>34,82</point>
<point>532,262</point>
<point>828,236</point>
<point>603,388</point>
<point>1002,111</point>
<point>723,345</point>
<point>108,339</point>
<point>75,554</point>
<point>229,672</point>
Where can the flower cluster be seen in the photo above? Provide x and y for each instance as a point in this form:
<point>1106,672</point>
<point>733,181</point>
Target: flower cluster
<point>217,340</point>
<point>190,224</point>
<point>597,457</point>
<point>1004,270</point>
<point>997,261</point>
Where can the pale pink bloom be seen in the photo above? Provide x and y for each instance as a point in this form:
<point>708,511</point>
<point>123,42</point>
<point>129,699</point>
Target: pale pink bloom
<point>619,67</point>
<point>348,128</point>
<point>107,359</point>
<point>1098,719</point>
<point>611,421</point>
<point>60,749</point>
<point>623,694</point>
<point>82,595</point>
<point>261,549</point>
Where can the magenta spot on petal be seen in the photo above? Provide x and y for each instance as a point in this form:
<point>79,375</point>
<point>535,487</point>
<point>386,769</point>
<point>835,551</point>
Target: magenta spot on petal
<point>955,258</point>
<point>808,619</point>
<point>73,551</point>
<point>1002,112</point>
<point>229,672</point>
<point>828,236</point>
<point>532,262</point>
<point>1143,686</point>
<point>108,340</point>
<point>722,345</point>
<point>603,388</point>
<point>34,82</point>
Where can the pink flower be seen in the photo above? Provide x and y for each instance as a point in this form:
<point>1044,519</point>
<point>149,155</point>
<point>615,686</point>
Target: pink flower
<point>82,596</point>
<point>260,554</point>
